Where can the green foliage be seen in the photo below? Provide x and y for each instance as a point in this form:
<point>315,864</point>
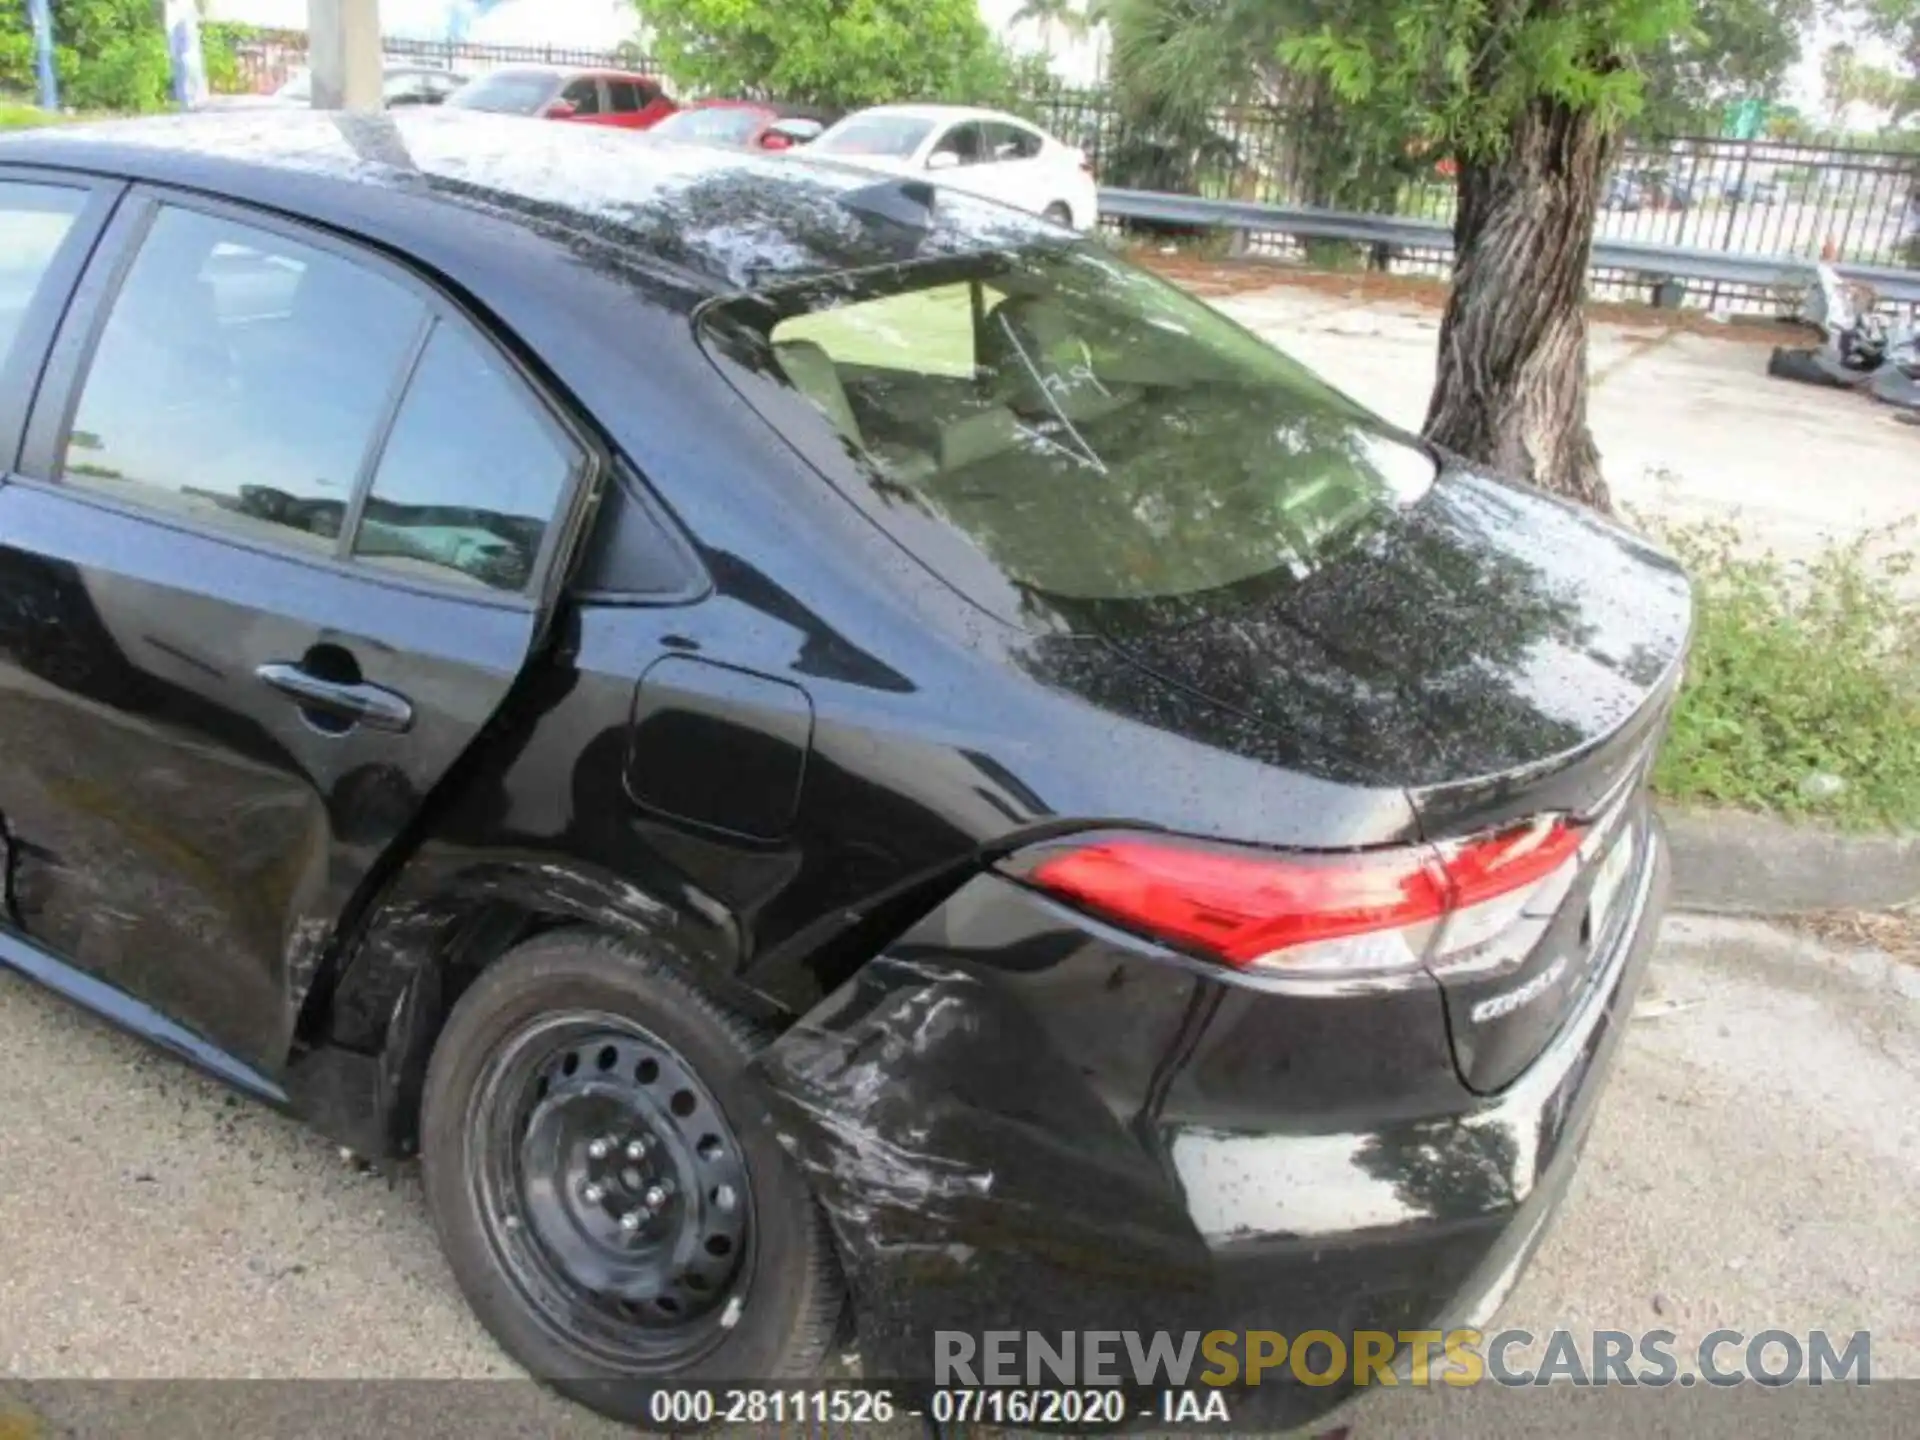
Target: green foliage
<point>110,54</point>
<point>1732,50</point>
<point>1458,74</point>
<point>830,52</point>
<point>1177,62</point>
<point>1798,671</point>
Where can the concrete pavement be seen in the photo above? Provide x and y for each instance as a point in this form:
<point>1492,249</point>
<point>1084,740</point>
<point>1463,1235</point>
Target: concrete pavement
<point>1689,426</point>
<point>1752,1167</point>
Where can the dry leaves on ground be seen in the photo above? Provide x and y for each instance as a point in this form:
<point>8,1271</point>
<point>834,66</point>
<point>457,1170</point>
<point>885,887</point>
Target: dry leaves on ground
<point>1895,932</point>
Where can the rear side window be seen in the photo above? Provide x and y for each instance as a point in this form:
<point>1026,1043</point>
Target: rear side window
<point>239,380</point>
<point>1010,142</point>
<point>584,95</point>
<point>625,97</point>
<point>34,221</point>
<point>471,476</point>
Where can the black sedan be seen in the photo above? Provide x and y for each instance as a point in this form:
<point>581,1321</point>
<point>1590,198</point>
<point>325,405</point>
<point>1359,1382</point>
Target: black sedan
<point>834,759</point>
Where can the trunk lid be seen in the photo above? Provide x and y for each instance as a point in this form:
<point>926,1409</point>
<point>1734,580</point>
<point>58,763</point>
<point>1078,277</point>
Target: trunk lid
<point>1496,654</point>
<point>1488,649</point>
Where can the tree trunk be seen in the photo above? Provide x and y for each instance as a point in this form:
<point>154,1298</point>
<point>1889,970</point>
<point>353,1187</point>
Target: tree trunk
<point>1511,392</point>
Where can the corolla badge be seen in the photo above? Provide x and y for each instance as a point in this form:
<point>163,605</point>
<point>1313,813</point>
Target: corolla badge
<point>1496,1006</point>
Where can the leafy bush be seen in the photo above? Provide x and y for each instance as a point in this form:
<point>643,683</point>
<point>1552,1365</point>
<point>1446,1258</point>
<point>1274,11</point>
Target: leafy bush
<point>109,54</point>
<point>1799,671</point>
<point>846,53</point>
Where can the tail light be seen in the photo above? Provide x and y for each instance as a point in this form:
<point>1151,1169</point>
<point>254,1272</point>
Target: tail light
<point>1336,915</point>
<point>1086,165</point>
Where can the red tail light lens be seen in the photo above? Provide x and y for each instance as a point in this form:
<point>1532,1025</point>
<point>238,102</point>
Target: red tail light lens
<point>1359,913</point>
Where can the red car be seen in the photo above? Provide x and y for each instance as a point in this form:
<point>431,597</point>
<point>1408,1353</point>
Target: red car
<point>591,97</point>
<point>747,124</point>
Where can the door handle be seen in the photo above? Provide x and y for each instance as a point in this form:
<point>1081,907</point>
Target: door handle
<point>354,702</point>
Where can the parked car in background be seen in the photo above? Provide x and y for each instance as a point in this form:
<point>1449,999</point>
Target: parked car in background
<point>1753,192</point>
<point>402,83</point>
<point>983,152</point>
<point>462,680</point>
<point>747,124</point>
<point>1624,192</point>
<point>620,98</point>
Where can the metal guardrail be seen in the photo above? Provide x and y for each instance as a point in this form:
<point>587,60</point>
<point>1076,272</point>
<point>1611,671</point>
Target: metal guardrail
<point>1654,261</point>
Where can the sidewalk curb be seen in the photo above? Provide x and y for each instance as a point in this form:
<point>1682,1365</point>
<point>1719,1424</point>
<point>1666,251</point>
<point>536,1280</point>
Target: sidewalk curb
<point>1727,863</point>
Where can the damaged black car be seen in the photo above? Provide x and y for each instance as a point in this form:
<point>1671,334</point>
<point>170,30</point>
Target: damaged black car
<point>836,761</point>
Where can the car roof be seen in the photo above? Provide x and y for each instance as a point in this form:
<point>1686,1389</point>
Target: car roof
<point>944,113</point>
<point>544,67</point>
<point>719,220</point>
<point>782,109</point>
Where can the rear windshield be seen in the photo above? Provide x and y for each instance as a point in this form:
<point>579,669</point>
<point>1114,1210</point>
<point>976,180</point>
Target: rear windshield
<point>714,125</point>
<point>507,92</point>
<point>1095,432</point>
<point>895,136</point>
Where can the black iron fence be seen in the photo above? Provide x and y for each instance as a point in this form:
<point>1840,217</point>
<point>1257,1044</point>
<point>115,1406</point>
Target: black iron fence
<point>1758,197</point>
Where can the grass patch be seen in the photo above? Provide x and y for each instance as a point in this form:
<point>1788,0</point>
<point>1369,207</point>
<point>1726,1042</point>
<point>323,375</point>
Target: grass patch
<point>1799,671</point>
<point>15,116</point>
<point>25,117</point>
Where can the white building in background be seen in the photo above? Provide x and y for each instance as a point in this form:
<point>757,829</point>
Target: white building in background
<point>1078,60</point>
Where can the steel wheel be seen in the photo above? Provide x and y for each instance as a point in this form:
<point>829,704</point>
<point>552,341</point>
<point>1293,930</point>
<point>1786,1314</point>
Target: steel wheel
<point>613,1190</point>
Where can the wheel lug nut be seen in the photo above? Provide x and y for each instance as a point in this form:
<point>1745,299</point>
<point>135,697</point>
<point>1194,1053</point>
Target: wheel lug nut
<point>630,1221</point>
<point>593,1194</point>
<point>636,1149</point>
<point>598,1149</point>
<point>658,1195</point>
<point>724,1199</point>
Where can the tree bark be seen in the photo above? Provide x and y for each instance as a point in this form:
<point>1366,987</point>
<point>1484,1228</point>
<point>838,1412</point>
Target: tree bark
<point>1511,392</point>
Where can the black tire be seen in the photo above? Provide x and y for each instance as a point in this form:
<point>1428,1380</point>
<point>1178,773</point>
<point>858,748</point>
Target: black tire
<point>788,1283</point>
<point>1058,213</point>
<point>1800,365</point>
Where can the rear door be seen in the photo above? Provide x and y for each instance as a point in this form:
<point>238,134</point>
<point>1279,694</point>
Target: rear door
<point>623,102</point>
<point>654,104</point>
<point>1011,169</point>
<point>282,536</point>
<point>636,104</point>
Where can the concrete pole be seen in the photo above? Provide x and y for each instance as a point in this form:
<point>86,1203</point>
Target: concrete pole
<point>344,52</point>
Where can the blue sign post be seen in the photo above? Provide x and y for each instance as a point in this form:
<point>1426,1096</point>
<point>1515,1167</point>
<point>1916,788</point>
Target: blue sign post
<point>189,62</point>
<point>40,12</point>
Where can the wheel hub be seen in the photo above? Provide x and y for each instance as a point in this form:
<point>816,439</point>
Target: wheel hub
<point>625,1202</point>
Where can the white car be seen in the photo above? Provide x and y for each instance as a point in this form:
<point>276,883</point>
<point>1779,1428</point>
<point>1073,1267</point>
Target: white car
<point>983,152</point>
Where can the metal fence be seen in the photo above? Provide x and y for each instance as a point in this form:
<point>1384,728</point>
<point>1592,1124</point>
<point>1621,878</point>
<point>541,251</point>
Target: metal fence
<point>1735,197</point>
<point>268,59</point>
<point>1757,197</point>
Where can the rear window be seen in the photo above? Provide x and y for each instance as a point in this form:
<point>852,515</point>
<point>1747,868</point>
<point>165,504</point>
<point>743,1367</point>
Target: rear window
<point>896,136</point>
<point>715,125</point>
<point>1097,434</point>
<point>506,92</point>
